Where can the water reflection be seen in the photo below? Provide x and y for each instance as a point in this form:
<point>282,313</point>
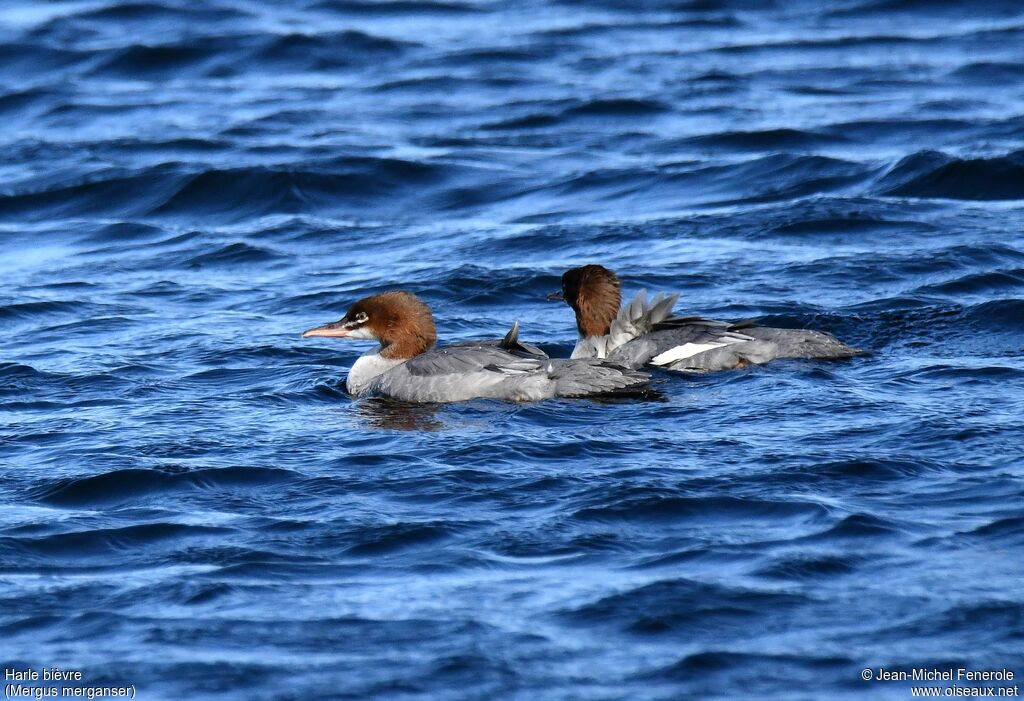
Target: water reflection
<point>395,415</point>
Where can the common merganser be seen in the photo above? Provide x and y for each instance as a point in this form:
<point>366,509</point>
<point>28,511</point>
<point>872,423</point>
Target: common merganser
<point>406,365</point>
<point>646,333</point>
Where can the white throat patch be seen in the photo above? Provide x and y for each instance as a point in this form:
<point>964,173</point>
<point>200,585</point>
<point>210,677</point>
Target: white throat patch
<point>367,368</point>
<point>363,332</point>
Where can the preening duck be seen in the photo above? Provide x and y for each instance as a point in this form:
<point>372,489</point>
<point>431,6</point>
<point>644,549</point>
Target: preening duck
<point>647,333</point>
<point>406,365</point>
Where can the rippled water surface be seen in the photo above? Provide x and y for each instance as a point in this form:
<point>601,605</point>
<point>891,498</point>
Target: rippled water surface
<point>193,505</point>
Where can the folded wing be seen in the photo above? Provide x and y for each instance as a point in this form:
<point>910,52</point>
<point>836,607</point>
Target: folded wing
<point>704,345</point>
<point>505,369</point>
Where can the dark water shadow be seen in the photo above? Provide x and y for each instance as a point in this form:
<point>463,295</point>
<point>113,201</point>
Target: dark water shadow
<point>396,415</point>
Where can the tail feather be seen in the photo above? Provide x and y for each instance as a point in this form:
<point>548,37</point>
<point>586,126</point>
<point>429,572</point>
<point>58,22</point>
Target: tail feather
<point>639,317</point>
<point>512,337</point>
<point>512,344</point>
<point>661,308</point>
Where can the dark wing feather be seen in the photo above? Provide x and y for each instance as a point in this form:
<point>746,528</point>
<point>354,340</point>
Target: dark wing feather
<point>743,324</point>
<point>674,322</point>
<point>510,343</point>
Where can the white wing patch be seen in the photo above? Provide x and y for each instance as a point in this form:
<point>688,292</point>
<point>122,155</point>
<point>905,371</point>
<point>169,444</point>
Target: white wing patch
<point>687,350</point>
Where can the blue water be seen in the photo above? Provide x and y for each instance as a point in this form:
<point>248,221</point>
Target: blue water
<point>192,504</point>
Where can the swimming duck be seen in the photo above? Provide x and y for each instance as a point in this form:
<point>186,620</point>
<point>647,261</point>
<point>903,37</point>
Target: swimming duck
<point>647,333</point>
<point>405,364</point>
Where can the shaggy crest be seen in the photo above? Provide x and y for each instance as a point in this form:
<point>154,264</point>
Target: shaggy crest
<point>594,293</point>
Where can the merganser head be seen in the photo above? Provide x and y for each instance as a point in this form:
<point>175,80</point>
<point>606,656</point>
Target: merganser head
<point>595,294</point>
<point>399,320</point>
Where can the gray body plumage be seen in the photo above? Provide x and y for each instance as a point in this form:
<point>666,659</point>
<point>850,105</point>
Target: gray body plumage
<point>506,369</point>
<point>645,334</point>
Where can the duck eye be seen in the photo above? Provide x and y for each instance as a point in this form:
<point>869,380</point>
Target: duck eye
<point>361,317</point>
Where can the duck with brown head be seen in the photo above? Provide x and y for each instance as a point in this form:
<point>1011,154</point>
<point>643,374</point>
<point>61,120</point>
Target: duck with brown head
<point>406,365</point>
<point>647,333</point>
<point>595,294</point>
<point>399,320</point>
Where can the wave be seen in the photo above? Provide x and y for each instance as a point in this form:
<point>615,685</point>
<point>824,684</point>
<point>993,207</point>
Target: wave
<point>966,617</point>
<point>29,310</point>
<point>99,194</point>
<point>102,542</point>
<point>858,526</point>
<point>784,177</point>
<point>998,282</point>
<point>27,59</point>
<point>656,507</point>
<point>530,121</point>
<point>160,62</point>
<point>393,538</point>
<point>480,285</point>
<point>621,107</point>
<point>233,254</point>
<point>216,55</point>
<point>20,101</point>
<point>138,485</point>
<point>505,55</point>
<point>40,389</point>
<point>1006,531</point>
<point>926,7</point>
<point>254,191</point>
<point>850,224</point>
<point>558,114</point>
<point>141,12</point>
<point>233,194</point>
<point>676,605</point>
<point>17,379</point>
<point>858,470</point>
<point>909,131</point>
<point>397,7</point>
<point>763,140</point>
<point>989,73</point>
<point>933,174</point>
<point>1004,315</point>
<point>853,41</point>
<point>326,51</point>
<point>119,232</point>
<point>714,661</point>
<point>770,178</point>
<point>804,567</point>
